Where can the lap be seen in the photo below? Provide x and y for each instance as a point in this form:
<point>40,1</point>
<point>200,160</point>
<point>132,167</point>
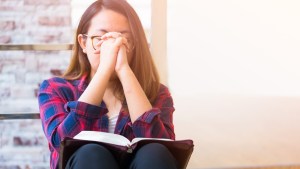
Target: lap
<point>94,156</point>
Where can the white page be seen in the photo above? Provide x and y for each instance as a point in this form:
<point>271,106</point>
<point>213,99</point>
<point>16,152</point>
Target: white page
<point>141,138</point>
<point>103,137</point>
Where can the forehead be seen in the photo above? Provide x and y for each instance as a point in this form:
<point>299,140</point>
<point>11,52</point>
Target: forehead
<point>109,21</point>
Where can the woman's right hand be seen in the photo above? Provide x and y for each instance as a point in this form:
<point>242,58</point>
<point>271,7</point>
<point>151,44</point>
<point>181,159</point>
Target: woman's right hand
<point>109,48</point>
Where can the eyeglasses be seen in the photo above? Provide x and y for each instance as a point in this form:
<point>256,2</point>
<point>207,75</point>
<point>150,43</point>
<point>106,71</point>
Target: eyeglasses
<point>96,39</point>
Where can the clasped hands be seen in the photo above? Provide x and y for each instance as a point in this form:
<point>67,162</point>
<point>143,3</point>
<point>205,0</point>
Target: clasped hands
<point>114,50</point>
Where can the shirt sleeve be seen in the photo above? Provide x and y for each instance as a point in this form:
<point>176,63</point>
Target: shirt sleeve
<point>63,118</point>
<point>158,121</point>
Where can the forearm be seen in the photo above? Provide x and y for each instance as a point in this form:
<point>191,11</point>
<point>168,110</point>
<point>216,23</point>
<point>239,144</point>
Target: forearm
<point>158,121</point>
<point>136,98</point>
<point>93,94</point>
<point>63,118</point>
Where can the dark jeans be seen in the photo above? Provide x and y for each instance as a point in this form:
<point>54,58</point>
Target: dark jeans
<point>94,156</point>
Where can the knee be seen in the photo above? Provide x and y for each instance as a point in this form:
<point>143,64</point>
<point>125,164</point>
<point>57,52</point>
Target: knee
<point>92,156</point>
<point>154,155</point>
<point>91,147</point>
<point>154,149</point>
<point>94,150</point>
<point>154,152</point>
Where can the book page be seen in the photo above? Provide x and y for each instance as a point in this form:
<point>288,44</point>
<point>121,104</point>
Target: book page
<point>135,140</point>
<point>103,137</point>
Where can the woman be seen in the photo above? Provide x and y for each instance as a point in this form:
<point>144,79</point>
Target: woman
<point>111,85</point>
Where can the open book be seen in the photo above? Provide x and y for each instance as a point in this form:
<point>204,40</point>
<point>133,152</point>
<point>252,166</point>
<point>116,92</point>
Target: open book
<point>122,148</point>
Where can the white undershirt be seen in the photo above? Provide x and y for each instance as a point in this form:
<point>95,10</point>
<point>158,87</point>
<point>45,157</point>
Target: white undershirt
<point>112,121</point>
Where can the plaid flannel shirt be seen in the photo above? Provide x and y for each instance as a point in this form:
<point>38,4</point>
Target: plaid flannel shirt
<point>63,116</point>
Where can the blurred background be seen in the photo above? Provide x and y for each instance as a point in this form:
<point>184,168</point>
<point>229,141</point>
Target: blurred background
<point>232,67</point>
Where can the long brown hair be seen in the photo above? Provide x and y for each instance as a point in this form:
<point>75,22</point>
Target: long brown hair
<point>141,64</point>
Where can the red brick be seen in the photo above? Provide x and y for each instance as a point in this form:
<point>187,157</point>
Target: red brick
<point>4,92</point>
<point>46,2</point>
<point>56,72</point>
<point>7,25</point>
<point>54,21</point>
<point>5,39</point>
<point>6,8</point>
<point>47,38</point>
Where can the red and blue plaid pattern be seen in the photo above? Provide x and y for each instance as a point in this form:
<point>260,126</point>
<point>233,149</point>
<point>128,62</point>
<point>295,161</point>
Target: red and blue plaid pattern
<point>63,116</point>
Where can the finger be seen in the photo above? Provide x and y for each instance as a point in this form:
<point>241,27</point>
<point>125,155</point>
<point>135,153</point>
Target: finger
<point>111,35</point>
<point>97,51</point>
<point>99,44</point>
<point>125,42</point>
<point>119,41</point>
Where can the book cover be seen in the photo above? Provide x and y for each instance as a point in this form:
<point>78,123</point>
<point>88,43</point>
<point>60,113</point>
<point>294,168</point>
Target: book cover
<point>122,148</point>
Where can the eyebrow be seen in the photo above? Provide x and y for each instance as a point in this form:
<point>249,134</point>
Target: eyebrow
<point>104,30</point>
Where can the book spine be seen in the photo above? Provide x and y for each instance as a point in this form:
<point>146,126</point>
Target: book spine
<point>129,150</point>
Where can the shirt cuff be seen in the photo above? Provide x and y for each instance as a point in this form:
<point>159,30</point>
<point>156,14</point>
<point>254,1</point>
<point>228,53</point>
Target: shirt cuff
<point>85,109</point>
<point>149,115</point>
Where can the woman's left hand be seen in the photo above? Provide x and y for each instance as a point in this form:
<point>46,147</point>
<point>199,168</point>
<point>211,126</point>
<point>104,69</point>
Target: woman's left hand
<point>122,57</point>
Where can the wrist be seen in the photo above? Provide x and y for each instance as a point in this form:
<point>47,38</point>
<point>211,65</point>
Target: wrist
<point>103,69</point>
<point>104,73</point>
<point>124,73</point>
<point>123,70</point>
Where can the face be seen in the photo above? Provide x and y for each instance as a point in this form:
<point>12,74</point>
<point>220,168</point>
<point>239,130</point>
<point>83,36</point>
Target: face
<point>105,21</point>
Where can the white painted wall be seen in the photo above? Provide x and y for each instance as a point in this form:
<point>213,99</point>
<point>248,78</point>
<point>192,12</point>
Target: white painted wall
<point>233,70</point>
<point>234,47</point>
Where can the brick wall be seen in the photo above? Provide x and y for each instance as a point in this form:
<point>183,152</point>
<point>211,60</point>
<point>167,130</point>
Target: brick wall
<point>22,142</point>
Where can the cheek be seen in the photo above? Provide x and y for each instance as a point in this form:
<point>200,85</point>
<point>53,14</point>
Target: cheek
<point>89,48</point>
<point>94,60</point>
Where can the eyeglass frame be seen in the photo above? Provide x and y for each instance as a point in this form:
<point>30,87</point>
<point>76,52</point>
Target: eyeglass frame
<point>92,37</point>
<point>97,36</point>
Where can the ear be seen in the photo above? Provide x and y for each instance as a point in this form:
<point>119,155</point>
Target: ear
<point>82,42</point>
